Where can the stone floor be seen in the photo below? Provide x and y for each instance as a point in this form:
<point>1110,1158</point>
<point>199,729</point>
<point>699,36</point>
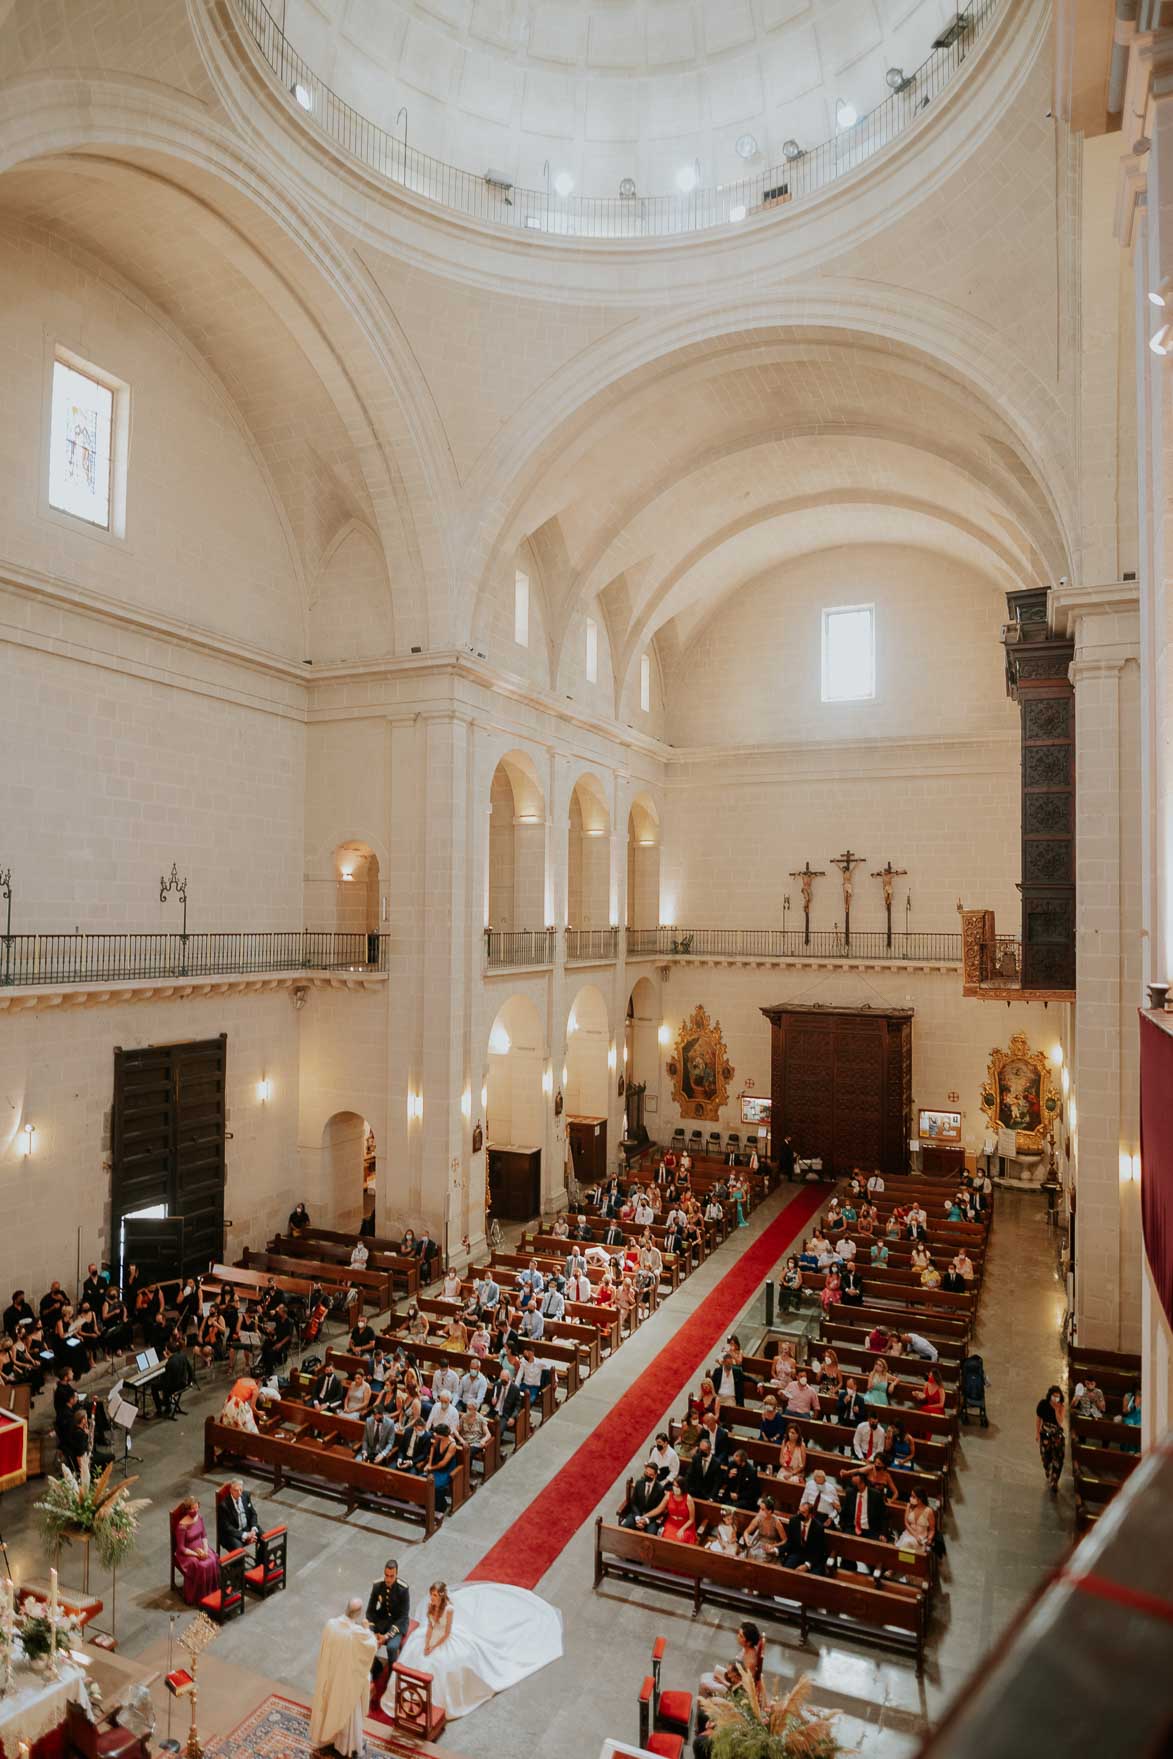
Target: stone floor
<point>1003,1532</point>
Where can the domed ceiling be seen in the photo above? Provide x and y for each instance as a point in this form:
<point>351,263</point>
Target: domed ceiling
<point>644,89</point>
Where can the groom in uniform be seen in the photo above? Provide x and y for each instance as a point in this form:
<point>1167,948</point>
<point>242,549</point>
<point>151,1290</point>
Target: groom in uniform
<point>388,1615</point>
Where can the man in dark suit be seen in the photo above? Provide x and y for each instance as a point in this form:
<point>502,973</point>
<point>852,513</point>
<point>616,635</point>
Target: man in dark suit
<point>729,1379</point>
<point>505,1400</point>
<point>740,1484</point>
<point>237,1523</point>
<point>704,1472</point>
<point>415,1444</point>
<point>583,1230</point>
<point>167,1391</point>
<point>326,1391</point>
<point>93,1289</point>
<point>614,1235</point>
<point>718,1437</point>
<point>648,1497</point>
<point>426,1249</point>
<point>388,1615</point>
<point>806,1543</point>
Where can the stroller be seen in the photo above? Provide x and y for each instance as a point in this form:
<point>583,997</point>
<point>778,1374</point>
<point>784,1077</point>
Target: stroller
<point>973,1390</point>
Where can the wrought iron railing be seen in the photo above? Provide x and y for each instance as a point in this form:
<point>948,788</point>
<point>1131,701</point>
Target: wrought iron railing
<point>519,946</point>
<point>919,946</point>
<point>129,957</point>
<point>592,943</point>
<point>635,216</point>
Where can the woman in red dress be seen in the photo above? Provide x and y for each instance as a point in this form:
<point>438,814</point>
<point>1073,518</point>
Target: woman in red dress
<point>680,1517</point>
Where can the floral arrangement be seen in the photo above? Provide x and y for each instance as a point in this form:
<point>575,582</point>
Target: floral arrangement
<point>34,1626</point>
<point>74,1505</point>
<point>747,1725</point>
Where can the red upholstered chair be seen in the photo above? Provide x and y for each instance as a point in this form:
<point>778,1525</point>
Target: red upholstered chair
<point>102,1739</point>
<point>665,1746</point>
<point>671,1711</point>
<point>267,1575</point>
<point>227,1600</point>
<point>415,1714</point>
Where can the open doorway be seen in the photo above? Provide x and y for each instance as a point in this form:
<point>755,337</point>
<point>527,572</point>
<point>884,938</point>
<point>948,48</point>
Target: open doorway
<point>343,1185</point>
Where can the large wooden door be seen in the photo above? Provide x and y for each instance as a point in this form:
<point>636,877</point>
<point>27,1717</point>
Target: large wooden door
<point>842,1084</point>
<point>168,1143</point>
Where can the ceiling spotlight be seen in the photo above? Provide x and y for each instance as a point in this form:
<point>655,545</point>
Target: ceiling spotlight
<point>896,79</point>
<point>1162,341</point>
<point>687,179</point>
<point>745,146</point>
<point>846,114</point>
<point>564,183</point>
<point>791,150</point>
<point>738,213</point>
<point>1161,295</point>
<point>303,95</point>
<point>627,189</point>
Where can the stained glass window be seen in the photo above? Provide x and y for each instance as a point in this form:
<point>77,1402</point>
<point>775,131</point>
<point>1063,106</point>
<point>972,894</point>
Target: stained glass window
<point>79,445</point>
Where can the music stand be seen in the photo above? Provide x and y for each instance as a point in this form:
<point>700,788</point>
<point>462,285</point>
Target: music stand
<point>124,1415</point>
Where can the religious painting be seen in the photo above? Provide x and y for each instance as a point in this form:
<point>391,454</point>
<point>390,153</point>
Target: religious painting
<point>1017,1095</point>
<point>700,1069</point>
<point>934,1126</point>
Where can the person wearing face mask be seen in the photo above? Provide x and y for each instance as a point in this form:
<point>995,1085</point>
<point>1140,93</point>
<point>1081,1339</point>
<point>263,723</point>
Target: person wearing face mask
<point>801,1398</point>
<point>830,1375</point>
<point>1049,1435</point>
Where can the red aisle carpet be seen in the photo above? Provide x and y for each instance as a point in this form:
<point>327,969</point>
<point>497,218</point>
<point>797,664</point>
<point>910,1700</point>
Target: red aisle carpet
<point>526,1550</point>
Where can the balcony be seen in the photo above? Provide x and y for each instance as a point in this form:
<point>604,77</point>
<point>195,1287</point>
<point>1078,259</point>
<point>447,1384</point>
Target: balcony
<point>1001,968</point>
<point>822,946</point>
<point>128,965</point>
<point>508,949</point>
<point>592,946</point>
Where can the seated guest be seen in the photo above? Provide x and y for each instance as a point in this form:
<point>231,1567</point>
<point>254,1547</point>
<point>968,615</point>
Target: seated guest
<point>766,1533</point>
<point>850,1288</point>
<point>357,1396</point>
<point>868,1441</point>
<point>359,1255</point>
<point>665,1459</point>
<point>830,1376</point>
<point>414,1447</point>
<point>416,1325</point>
<point>647,1504</point>
<point>705,1472</point>
<point>276,1345</point>
<point>443,1413</point>
<point>792,1457</point>
<point>920,1524</point>
<point>472,1390</point>
<point>879,1254</point>
<point>362,1339</point>
<point>478,1342</point>
<point>900,1449</point>
<point>237,1522</point>
<point>865,1511</point>
<point>963,1265</point>
<point>17,1313</point>
<point>1088,1399</point>
<point>445,1380</point>
<point>194,1557</point>
<point>326,1390</point>
<point>881,1386</point>
<point>772,1425</point>
<point>718,1437</point>
<point>784,1368</point>
<point>930,1395</point>
<point>299,1217</point>
<point>178,1374</point>
<point>726,1541</point>
<point>488,1293</point>
<point>472,1430</point>
<point>680,1515</point>
<point>806,1543</point>
<point>801,1398</point>
<point>822,1496</point>
<point>451,1288</point>
<point>378,1438</point>
<point>930,1277</point>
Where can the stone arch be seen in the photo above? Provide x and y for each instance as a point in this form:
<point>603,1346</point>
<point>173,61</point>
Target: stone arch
<point>515,882</point>
<point>643,863</point>
<point>588,855</point>
<point>591,1055</point>
<point>515,1111</point>
<point>344,1136</point>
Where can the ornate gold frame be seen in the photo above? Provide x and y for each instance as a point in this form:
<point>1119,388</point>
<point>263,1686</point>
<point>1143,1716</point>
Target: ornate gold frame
<point>1032,1141</point>
<point>704,1034</point>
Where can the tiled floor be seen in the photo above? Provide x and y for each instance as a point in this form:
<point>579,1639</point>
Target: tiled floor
<point>1003,1531</point>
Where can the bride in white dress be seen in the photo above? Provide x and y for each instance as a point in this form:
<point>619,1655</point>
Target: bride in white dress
<point>477,1641</point>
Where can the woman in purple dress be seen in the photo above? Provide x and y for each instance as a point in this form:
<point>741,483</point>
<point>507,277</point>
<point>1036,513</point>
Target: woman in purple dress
<point>193,1555</point>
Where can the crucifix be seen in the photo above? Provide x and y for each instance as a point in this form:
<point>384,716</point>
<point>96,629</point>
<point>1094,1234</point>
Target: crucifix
<point>888,873</point>
<point>806,877</point>
<point>845,863</point>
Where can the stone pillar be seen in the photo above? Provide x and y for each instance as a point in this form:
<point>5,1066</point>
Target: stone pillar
<point>1104,623</point>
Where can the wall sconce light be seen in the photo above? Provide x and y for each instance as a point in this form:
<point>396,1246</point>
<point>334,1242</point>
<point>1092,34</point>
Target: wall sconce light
<point>415,1108</point>
<point>565,1075</point>
<point>611,1058</point>
<point>1065,1081</point>
<point>647,842</point>
<point>625,1054</point>
<point>594,831</point>
<point>1057,1055</point>
<point>347,873</point>
<point>27,1134</point>
<point>1072,1116</point>
<point>466,1103</point>
<point>528,818</point>
<point>664,1035</point>
<point>1129,1167</point>
<point>264,1090</point>
<point>547,1082</point>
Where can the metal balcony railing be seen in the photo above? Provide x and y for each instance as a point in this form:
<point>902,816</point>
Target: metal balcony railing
<point>592,943</point>
<point>542,211</point>
<point>27,959</point>
<point>519,946</point>
<point>919,946</point>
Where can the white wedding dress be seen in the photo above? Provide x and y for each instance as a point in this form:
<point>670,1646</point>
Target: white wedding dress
<point>499,1636</point>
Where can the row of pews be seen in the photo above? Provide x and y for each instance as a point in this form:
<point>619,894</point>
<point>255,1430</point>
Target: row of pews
<point>1104,1450</point>
<point>879,1591</point>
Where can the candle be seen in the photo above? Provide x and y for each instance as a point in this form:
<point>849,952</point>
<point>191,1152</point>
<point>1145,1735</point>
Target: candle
<point>24,1751</point>
<point>53,1621</point>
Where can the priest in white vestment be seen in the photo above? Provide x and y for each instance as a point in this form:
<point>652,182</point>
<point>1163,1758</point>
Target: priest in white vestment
<point>343,1684</point>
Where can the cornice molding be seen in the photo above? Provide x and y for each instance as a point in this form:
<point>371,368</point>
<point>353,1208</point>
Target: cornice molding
<point>44,998</point>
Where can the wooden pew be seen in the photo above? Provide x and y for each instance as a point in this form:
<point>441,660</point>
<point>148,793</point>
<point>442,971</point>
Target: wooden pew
<point>584,1337</point>
<point>765,1455</point>
<point>330,1470</point>
<point>383,1254</point>
<point>374,1280</point>
<point>563,1358</point>
<point>487,1457</point>
<point>934,1322</point>
<point>933,1446</point>
<point>854,1338</point>
<point>374,1286</point>
<point>874,1554</point>
<point>548,1248</point>
<point>849,1606</point>
<point>604,1319</point>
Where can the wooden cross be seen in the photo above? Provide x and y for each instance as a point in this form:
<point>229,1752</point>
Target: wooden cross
<point>888,873</point>
<point>806,877</point>
<point>845,862</point>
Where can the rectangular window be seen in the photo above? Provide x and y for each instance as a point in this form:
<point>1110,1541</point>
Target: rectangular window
<point>80,445</point>
<point>645,683</point>
<point>592,651</point>
<point>521,609</point>
<point>849,653</point>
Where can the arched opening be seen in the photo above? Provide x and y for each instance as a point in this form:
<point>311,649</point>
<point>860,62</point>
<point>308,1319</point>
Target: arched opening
<point>515,1114</point>
<point>515,892</point>
<point>590,1068</point>
<point>641,1041</point>
<point>588,857</point>
<point>343,1186</point>
<point>357,901</point>
<point>643,864</point>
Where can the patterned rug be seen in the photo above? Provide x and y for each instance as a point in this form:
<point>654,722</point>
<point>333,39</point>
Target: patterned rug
<point>279,1728</point>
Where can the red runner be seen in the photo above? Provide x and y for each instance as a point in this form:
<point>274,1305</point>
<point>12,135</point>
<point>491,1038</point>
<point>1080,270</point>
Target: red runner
<point>526,1550</point>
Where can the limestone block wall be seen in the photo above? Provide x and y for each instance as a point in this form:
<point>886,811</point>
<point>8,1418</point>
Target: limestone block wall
<point>58,1074</point>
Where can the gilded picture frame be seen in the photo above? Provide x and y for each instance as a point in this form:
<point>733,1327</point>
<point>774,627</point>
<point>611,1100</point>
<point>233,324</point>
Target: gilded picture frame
<point>700,1068</point>
<point>1018,1094</point>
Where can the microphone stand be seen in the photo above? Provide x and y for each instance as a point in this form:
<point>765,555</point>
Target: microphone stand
<point>170,1745</point>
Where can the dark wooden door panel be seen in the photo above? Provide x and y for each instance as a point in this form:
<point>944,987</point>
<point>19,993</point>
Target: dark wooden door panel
<point>841,1081</point>
<point>168,1142</point>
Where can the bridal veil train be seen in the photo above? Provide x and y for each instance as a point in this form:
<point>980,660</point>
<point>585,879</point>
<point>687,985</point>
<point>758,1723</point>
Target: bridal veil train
<point>496,1636</point>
